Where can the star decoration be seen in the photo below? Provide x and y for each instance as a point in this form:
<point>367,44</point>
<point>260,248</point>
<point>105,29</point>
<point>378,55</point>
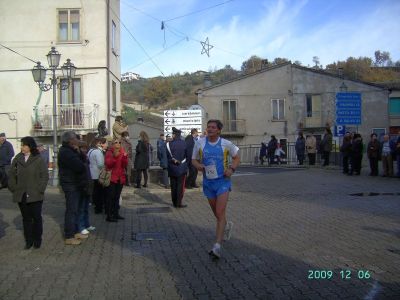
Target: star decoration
<point>206,47</point>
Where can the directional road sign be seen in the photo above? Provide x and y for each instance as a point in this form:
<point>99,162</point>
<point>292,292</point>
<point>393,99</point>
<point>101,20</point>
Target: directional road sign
<point>348,108</point>
<point>182,113</point>
<point>181,121</point>
<point>184,120</point>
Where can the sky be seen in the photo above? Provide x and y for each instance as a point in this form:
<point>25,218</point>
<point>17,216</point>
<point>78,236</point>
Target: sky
<point>294,29</point>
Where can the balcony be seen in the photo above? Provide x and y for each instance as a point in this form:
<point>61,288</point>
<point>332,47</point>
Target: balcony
<point>313,119</point>
<point>234,128</point>
<point>78,117</point>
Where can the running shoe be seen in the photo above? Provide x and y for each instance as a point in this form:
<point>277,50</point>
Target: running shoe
<point>228,230</point>
<point>91,228</point>
<point>85,231</point>
<point>215,252</point>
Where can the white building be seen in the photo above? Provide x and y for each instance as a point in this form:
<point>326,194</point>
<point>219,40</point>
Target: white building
<point>129,76</point>
<point>87,32</point>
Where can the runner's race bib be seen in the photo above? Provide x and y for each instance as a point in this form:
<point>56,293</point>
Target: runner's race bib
<point>211,172</point>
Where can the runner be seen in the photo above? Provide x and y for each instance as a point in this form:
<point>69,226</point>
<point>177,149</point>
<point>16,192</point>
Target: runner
<point>210,155</point>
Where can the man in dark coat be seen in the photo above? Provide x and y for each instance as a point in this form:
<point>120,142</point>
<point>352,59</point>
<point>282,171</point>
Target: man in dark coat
<point>177,167</point>
<point>6,153</point>
<point>272,145</point>
<point>162,157</point>
<point>71,171</point>
<point>190,141</point>
<point>300,148</point>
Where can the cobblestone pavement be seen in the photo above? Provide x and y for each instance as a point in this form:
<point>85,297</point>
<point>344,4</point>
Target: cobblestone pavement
<point>293,229</point>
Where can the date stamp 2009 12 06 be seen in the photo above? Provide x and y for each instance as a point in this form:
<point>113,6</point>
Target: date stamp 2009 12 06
<point>342,274</point>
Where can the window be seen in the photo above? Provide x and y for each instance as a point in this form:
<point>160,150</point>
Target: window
<point>72,95</point>
<point>114,96</point>
<point>68,25</point>
<point>113,35</point>
<point>229,115</point>
<point>394,106</point>
<point>313,105</point>
<point>70,111</point>
<point>278,109</point>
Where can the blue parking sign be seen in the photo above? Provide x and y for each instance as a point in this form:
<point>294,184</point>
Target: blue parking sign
<point>340,130</point>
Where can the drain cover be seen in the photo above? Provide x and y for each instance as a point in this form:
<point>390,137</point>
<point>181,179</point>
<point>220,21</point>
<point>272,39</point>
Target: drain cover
<point>150,236</point>
<point>151,210</point>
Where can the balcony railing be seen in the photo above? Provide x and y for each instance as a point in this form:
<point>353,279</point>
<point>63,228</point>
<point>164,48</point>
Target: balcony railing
<point>234,127</point>
<point>69,116</point>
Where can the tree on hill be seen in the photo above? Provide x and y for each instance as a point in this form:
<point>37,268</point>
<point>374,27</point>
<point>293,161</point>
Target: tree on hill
<point>382,59</point>
<point>362,69</point>
<point>253,64</point>
<point>157,91</point>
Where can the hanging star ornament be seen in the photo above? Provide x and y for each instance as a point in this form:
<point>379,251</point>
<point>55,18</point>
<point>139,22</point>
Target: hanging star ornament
<point>206,47</point>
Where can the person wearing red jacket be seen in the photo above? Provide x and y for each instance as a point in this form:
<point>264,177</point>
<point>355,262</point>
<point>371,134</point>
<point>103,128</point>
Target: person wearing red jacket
<point>116,160</point>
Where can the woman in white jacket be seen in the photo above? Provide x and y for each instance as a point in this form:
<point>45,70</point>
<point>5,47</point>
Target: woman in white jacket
<point>96,163</point>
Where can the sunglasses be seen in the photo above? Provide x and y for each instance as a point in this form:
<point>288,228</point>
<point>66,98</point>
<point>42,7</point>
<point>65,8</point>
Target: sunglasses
<point>117,142</point>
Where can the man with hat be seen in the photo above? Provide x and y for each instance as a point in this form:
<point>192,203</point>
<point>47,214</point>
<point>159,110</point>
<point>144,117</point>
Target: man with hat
<point>6,153</point>
<point>177,167</point>
<point>119,127</point>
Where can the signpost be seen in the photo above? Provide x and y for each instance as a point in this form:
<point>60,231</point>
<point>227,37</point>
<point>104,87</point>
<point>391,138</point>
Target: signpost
<point>348,108</point>
<point>183,120</point>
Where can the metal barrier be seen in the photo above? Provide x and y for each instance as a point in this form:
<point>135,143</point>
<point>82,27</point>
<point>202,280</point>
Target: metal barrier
<point>249,155</point>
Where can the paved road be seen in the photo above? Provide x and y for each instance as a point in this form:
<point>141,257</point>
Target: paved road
<point>293,230</point>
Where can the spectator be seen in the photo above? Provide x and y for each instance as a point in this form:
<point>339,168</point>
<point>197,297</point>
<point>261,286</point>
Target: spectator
<point>300,148</point>
<point>116,161</point>
<point>44,153</point>
<point>96,163</point>
<point>263,152</point>
<point>177,167</point>
<point>190,141</point>
<point>142,159</point>
<point>374,154</point>
<point>311,146</point>
<point>345,149</point>
<point>397,151</point>
<point>356,154</point>
<point>28,179</point>
<point>162,157</point>
<point>102,129</point>
<point>127,145</point>
<point>119,127</point>
<point>388,150</point>
<point>6,153</point>
<point>272,145</point>
<point>279,153</point>
<point>71,172</point>
<point>326,146</point>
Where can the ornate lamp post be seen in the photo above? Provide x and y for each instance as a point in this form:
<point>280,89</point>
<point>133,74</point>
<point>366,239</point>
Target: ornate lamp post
<point>39,76</point>
<point>343,87</point>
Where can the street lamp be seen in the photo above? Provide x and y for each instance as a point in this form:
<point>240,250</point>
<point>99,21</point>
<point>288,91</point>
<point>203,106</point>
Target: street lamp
<point>39,76</point>
<point>343,87</point>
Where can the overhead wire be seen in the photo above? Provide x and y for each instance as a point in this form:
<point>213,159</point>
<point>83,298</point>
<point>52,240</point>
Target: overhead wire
<point>198,11</point>
<point>176,32</point>
<point>137,42</point>
<point>18,53</point>
<point>158,53</point>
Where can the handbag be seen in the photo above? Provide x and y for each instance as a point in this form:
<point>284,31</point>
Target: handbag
<point>105,177</point>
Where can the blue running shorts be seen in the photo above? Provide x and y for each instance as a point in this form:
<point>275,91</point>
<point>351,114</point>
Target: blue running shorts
<point>213,188</point>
